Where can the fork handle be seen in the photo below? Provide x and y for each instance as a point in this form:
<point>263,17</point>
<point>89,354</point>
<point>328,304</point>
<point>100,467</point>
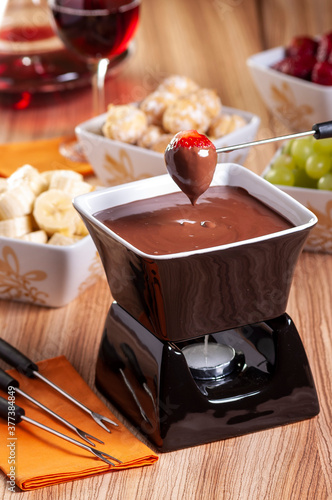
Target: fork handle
<point>7,381</point>
<point>16,359</point>
<point>10,411</point>
<point>322,130</point>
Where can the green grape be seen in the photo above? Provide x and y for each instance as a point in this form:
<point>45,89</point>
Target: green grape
<point>318,164</point>
<point>304,162</point>
<point>281,175</point>
<point>325,182</point>
<point>323,146</point>
<point>286,149</point>
<point>301,149</point>
<point>284,160</point>
<point>302,179</point>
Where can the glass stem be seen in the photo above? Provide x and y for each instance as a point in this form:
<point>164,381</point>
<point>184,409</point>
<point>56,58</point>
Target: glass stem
<point>99,71</point>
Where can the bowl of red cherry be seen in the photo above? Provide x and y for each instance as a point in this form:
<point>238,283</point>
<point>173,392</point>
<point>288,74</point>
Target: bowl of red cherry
<point>302,168</point>
<point>295,81</point>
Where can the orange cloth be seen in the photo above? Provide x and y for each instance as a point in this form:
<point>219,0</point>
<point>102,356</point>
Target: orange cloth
<point>42,154</point>
<point>42,459</point>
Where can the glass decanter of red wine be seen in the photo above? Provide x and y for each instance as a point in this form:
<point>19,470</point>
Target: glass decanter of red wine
<point>33,60</point>
<point>97,31</point>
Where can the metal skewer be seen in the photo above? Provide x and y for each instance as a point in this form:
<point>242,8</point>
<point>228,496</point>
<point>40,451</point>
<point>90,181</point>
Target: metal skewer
<point>319,131</point>
<point>117,365</point>
<point>133,362</point>
<point>24,365</point>
<point>7,381</point>
<point>96,416</point>
<point>19,415</point>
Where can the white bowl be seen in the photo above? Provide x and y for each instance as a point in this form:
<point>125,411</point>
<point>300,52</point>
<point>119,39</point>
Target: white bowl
<point>317,201</point>
<point>116,162</point>
<point>47,275</point>
<point>297,103</point>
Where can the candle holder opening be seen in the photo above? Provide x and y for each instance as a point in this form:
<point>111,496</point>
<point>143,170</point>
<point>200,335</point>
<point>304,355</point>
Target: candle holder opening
<point>210,361</point>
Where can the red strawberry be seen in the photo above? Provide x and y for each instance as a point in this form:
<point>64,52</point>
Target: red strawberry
<point>322,73</point>
<point>301,45</point>
<point>191,160</point>
<point>324,47</point>
<point>299,66</point>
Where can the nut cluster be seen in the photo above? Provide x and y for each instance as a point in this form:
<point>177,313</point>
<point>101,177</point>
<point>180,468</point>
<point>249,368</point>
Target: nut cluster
<point>177,104</point>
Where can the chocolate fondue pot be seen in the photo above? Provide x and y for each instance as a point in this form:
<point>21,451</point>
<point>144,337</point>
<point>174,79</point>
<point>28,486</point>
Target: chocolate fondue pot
<point>197,345</point>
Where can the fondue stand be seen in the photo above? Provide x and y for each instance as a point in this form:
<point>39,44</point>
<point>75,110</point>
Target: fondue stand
<point>197,347</point>
<point>263,380</point>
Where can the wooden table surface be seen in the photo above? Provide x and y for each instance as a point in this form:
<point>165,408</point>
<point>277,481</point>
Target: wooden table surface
<point>208,40</point>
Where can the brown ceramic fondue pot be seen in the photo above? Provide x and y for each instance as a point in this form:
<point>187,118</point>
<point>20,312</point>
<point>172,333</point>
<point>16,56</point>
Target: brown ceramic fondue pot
<point>188,294</point>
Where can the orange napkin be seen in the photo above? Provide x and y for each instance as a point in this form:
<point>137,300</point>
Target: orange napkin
<point>42,459</point>
<point>42,154</point>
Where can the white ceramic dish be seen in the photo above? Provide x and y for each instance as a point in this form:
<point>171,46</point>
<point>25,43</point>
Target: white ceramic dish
<point>47,275</point>
<point>116,162</point>
<point>297,103</point>
<point>189,294</point>
<point>320,203</point>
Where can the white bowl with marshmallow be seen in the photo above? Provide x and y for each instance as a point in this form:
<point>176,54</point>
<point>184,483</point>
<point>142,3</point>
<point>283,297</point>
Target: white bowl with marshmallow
<point>128,142</point>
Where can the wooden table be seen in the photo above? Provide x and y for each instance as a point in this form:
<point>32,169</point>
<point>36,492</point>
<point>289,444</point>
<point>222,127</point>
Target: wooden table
<point>208,40</point>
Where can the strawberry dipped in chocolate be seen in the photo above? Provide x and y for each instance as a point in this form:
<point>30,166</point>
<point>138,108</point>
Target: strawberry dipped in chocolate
<point>191,159</point>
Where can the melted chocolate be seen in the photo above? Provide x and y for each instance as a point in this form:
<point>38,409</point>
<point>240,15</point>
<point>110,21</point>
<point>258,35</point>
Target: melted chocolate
<point>191,168</point>
<point>167,224</point>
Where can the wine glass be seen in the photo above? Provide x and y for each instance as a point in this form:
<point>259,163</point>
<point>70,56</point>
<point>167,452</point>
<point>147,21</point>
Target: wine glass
<point>97,31</point>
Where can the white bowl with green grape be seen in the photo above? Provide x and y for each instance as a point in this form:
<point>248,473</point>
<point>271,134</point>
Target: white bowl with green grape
<point>302,167</point>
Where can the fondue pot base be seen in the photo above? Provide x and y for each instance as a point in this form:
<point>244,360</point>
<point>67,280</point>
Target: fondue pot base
<point>149,381</point>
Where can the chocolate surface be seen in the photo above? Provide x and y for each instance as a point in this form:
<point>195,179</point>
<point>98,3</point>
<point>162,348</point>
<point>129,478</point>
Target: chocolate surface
<point>168,224</point>
<point>191,168</point>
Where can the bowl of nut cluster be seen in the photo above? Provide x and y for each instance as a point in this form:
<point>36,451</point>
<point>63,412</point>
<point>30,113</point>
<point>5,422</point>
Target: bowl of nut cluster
<point>295,81</point>
<point>303,168</point>
<point>47,257</point>
<point>127,143</point>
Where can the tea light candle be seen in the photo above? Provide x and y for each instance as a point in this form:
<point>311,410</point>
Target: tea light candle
<point>208,361</point>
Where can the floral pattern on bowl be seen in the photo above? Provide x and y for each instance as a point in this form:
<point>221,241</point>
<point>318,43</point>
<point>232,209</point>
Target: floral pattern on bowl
<point>47,275</point>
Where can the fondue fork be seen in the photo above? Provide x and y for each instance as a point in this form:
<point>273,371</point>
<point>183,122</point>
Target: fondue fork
<point>117,365</point>
<point>319,131</point>
<point>7,381</point>
<point>14,414</point>
<point>24,365</point>
<point>133,362</point>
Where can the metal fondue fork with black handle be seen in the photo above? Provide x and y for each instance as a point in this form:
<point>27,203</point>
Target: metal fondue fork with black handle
<point>133,363</point>
<point>24,365</point>
<point>319,131</point>
<point>14,414</point>
<point>7,381</point>
<point>118,366</point>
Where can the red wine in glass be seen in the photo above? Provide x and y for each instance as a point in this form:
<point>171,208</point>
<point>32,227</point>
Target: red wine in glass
<point>97,31</point>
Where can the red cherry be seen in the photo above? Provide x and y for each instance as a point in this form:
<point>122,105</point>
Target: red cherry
<point>322,73</point>
<point>299,66</point>
<point>324,47</point>
<point>301,45</point>
<point>191,160</point>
